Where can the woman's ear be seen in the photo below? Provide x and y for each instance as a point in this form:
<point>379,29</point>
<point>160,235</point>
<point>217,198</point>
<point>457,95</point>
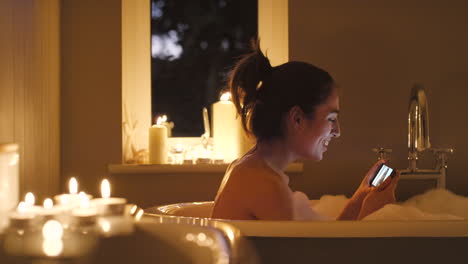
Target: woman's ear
<point>295,117</point>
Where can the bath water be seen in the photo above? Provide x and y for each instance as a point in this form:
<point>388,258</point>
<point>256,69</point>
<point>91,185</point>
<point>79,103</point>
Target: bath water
<point>435,204</point>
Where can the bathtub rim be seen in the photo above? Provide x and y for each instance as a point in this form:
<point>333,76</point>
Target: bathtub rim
<point>322,229</point>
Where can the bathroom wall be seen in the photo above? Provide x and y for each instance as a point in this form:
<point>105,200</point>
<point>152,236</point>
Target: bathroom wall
<point>376,52</point>
<point>91,98</point>
<point>29,90</point>
<point>105,76</point>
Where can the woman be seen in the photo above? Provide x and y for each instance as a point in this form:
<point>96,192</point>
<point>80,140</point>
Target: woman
<point>292,111</point>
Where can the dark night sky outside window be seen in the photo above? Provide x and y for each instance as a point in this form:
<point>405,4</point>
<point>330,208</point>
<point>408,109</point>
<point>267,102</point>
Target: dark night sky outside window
<point>194,45</point>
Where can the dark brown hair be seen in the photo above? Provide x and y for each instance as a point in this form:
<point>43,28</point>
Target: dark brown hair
<point>263,94</point>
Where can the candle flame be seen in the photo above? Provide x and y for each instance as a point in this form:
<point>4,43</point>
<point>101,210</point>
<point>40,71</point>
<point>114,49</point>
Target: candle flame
<point>105,188</point>
<point>21,207</point>
<point>159,120</point>
<point>225,96</point>
<point>29,199</point>
<point>48,204</point>
<point>73,185</point>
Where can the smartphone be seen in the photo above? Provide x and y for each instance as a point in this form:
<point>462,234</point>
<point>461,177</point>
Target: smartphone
<point>382,174</point>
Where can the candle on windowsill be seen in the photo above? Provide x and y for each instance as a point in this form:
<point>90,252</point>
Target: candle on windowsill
<point>158,143</point>
<point>229,139</point>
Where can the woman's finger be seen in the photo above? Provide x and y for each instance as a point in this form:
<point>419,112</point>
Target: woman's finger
<point>373,171</point>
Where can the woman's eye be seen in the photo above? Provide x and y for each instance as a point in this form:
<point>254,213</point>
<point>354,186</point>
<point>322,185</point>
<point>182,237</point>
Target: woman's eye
<point>333,120</point>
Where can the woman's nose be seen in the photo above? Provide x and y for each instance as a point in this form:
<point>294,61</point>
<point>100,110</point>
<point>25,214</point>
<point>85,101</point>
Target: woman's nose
<point>336,129</point>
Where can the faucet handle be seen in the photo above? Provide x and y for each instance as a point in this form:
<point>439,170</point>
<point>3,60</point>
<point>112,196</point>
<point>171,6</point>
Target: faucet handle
<point>384,153</point>
<point>441,156</point>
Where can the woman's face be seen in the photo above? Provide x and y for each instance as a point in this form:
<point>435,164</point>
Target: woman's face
<point>314,135</point>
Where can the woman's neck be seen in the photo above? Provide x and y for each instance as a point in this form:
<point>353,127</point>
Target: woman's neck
<point>276,153</point>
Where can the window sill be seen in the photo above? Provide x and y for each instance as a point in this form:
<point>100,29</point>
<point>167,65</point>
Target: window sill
<point>182,168</point>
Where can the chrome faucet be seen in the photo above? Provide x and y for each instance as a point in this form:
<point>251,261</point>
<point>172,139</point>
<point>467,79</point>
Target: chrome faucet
<point>418,141</point>
<point>418,125</point>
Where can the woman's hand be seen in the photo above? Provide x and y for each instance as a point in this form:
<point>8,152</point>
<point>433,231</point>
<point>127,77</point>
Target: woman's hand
<point>379,196</point>
<point>365,186</point>
<point>353,209</point>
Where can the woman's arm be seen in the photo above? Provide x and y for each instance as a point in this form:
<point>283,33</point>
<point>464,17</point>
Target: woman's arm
<point>368,199</point>
<point>353,208</point>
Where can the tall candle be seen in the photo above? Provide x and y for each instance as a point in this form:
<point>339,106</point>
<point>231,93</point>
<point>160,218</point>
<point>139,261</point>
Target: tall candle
<point>9,181</point>
<point>158,143</point>
<point>228,137</point>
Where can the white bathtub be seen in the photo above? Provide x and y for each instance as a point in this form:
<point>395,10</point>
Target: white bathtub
<point>337,241</point>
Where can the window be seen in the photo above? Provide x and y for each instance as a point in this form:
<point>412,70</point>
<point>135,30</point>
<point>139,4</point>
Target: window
<point>194,44</point>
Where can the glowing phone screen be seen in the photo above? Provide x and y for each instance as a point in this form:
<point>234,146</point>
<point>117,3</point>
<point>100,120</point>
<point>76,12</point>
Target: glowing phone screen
<point>382,175</point>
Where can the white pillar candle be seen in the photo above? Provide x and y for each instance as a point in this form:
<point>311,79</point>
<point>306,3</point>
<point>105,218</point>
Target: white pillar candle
<point>228,136</point>
<point>158,143</point>
<point>9,181</point>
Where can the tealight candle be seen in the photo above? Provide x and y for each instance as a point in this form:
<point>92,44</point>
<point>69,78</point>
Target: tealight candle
<point>29,204</point>
<point>71,199</point>
<point>158,143</point>
<point>21,218</point>
<point>108,205</point>
<point>84,215</point>
<point>49,211</point>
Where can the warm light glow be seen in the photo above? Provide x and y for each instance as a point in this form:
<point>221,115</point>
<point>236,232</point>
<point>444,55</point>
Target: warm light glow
<point>133,209</point>
<point>164,118</point>
<point>14,160</point>
<point>159,120</point>
<point>105,225</point>
<point>48,204</point>
<point>139,215</point>
<point>64,199</point>
<point>201,236</point>
<point>105,188</point>
<point>21,207</point>
<point>84,200</point>
<point>52,230</point>
<point>52,247</point>
<point>225,96</point>
<point>73,185</point>
<point>29,199</point>
<point>189,237</point>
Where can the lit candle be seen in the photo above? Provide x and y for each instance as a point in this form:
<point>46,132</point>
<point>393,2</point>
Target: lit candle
<point>29,202</point>
<point>158,143</point>
<point>108,205</point>
<point>71,199</point>
<point>229,139</point>
<point>22,218</point>
<point>50,211</point>
<point>9,181</point>
<point>85,214</point>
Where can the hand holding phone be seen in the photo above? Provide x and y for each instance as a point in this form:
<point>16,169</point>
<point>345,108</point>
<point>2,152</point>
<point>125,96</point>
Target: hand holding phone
<point>382,174</point>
